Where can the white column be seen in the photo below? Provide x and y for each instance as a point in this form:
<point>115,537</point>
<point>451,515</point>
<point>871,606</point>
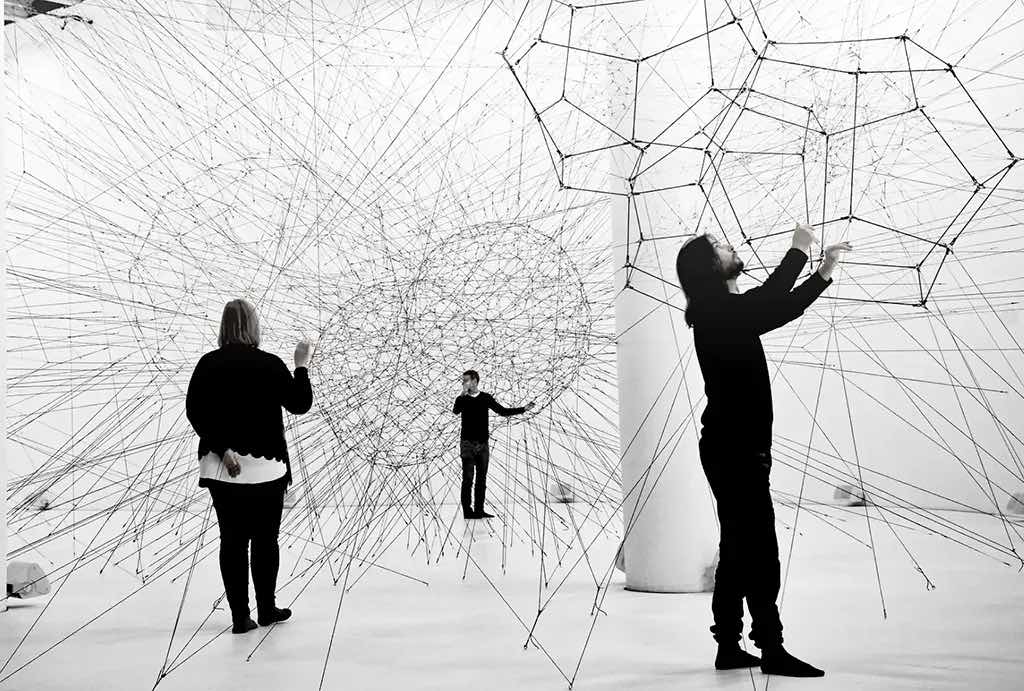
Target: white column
<point>671,534</point>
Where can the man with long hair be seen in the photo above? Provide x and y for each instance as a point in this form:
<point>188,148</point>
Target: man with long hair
<point>736,434</point>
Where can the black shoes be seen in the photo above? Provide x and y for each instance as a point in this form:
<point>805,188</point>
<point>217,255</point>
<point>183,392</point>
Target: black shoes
<point>733,657</point>
<point>276,617</point>
<point>779,662</point>
<point>243,626</point>
<point>470,515</point>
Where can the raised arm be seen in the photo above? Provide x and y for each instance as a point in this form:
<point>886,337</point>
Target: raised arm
<point>502,410</point>
<point>781,281</point>
<point>199,405</point>
<point>766,313</point>
<point>763,310</point>
<point>295,393</point>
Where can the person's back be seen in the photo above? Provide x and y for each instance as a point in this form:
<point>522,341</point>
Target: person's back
<point>253,386</point>
<point>234,403</point>
<point>736,378</point>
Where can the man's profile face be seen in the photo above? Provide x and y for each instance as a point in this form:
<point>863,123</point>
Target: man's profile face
<point>730,262</point>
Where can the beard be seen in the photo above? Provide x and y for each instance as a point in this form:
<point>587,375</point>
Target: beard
<point>733,269</point>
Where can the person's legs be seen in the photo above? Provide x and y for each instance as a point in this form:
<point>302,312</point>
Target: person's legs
<point>234,550</point>
<point>481,462</point>
<point>467,478</point>
<point>763,571</point>
<point>727,599</point>
<point>267,506</point>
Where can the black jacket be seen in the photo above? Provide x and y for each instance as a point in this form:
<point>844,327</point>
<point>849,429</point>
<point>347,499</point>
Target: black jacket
<point>726,334</point>
<point>234,401</point>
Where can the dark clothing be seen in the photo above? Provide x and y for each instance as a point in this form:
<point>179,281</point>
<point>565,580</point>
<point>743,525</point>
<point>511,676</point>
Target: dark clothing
<point>473,444</point>
<point>234,401</point>
<point>475,457</point>
<point>736,439</point>
<point>474,414</point>
<point>748,552</point>
<point>726,334</point>
<point>249,513</point>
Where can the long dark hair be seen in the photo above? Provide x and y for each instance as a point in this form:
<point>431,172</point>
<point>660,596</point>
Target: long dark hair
<point>700,274</point>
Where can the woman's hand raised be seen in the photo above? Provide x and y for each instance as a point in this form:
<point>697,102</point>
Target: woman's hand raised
<point>303,353</point>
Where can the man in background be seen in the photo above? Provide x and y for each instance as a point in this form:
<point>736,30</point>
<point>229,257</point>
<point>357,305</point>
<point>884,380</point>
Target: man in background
<point>474,404</point>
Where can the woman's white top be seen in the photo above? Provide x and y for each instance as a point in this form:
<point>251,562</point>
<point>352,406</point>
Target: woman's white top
<point>254,469</point>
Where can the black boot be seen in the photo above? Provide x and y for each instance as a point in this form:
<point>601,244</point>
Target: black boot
<point>483,514</point>
<point>468,514</point>
<point>243,626</point>
<point>777,661</point>
<point>731,656</point>
<point>275,616</point>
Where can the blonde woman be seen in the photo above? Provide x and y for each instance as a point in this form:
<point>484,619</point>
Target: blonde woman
<point>234,403</point>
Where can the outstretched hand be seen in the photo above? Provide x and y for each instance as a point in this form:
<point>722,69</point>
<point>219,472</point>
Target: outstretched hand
<point>529,405</point>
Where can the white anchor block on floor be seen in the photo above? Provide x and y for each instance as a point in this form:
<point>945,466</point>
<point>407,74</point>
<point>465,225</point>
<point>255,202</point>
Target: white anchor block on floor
<point>1016,504</point>
<point>848,495</point>
<point>26,579</point>
<point>561,492</point>
<point>291,498</point>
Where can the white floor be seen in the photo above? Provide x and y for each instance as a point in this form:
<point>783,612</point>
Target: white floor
<point>397,633</point>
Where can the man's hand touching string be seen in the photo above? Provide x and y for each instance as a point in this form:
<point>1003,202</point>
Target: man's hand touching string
<point>804,237</point>
<point>831,258</point>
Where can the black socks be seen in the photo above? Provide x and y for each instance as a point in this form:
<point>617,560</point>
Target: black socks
<point>778,661</point>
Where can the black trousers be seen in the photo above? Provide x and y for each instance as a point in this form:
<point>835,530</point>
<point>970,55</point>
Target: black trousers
<point>249,514</point>
<point>475,457</point>
<point>748,557</point>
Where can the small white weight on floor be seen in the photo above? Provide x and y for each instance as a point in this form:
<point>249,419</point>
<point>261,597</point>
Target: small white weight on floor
<point>848,495</point>
<point>26,579</point>
<point>707,581</point>
<point>291,498</point>
<point>1016,504</point>
<point>561,492</point>
<point>41,501</point>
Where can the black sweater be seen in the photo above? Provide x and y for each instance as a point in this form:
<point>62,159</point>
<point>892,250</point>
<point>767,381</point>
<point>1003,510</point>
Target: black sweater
<point>726,334</point>
<point>474,414</point>
<point>234,401</point>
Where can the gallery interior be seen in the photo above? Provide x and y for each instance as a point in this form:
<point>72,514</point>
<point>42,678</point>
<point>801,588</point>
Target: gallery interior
<point>285,281</point>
